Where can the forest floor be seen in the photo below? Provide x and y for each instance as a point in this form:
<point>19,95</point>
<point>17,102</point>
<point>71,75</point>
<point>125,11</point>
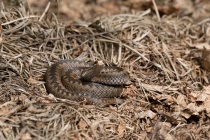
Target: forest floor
<point>164,46</point>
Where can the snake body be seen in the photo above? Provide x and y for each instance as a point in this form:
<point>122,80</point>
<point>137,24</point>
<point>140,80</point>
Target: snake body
<point>85,81</point>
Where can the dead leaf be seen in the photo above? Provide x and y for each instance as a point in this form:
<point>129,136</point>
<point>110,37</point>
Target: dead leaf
<point>82,124</point>
<point>207,89</point>
<point>186,114</point>
<point>208,133</point>
<point>168,99</point>
<point>143,134</point>
<point>181,100</point>
<point>202,97</point>
<point>192,109</point>
<point>146,114</point>
<point>26,136</point>
<point>164,127</point>
<point>153,87</point>
<point>121,130</point>
<point>193,95</point>
<point>4,111</point>
<point>168,137</point>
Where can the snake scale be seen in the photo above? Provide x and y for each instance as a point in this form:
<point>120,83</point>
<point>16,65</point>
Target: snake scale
<point>92,82</point>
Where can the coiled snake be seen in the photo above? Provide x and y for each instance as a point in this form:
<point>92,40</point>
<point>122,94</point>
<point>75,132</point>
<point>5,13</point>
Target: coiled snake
<point>81,81</point>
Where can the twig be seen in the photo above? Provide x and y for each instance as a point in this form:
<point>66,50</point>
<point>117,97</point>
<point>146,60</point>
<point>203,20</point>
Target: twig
<point>45,11</point>
<point>154,132</point>
<point>156,10</point>
<point>22,18</point>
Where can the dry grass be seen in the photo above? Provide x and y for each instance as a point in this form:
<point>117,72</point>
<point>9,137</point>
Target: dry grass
<point>156,54</point>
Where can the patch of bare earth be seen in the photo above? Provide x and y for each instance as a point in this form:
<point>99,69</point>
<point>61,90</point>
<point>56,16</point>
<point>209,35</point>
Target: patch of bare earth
<point>169,95</point>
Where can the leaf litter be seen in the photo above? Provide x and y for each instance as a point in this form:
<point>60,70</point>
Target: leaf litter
<point>169,96</point>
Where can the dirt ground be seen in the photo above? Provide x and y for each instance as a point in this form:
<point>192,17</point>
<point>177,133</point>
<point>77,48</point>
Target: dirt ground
<point>163,45</point>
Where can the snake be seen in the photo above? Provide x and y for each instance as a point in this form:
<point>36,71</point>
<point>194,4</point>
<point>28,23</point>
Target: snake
<point>91,82</point>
